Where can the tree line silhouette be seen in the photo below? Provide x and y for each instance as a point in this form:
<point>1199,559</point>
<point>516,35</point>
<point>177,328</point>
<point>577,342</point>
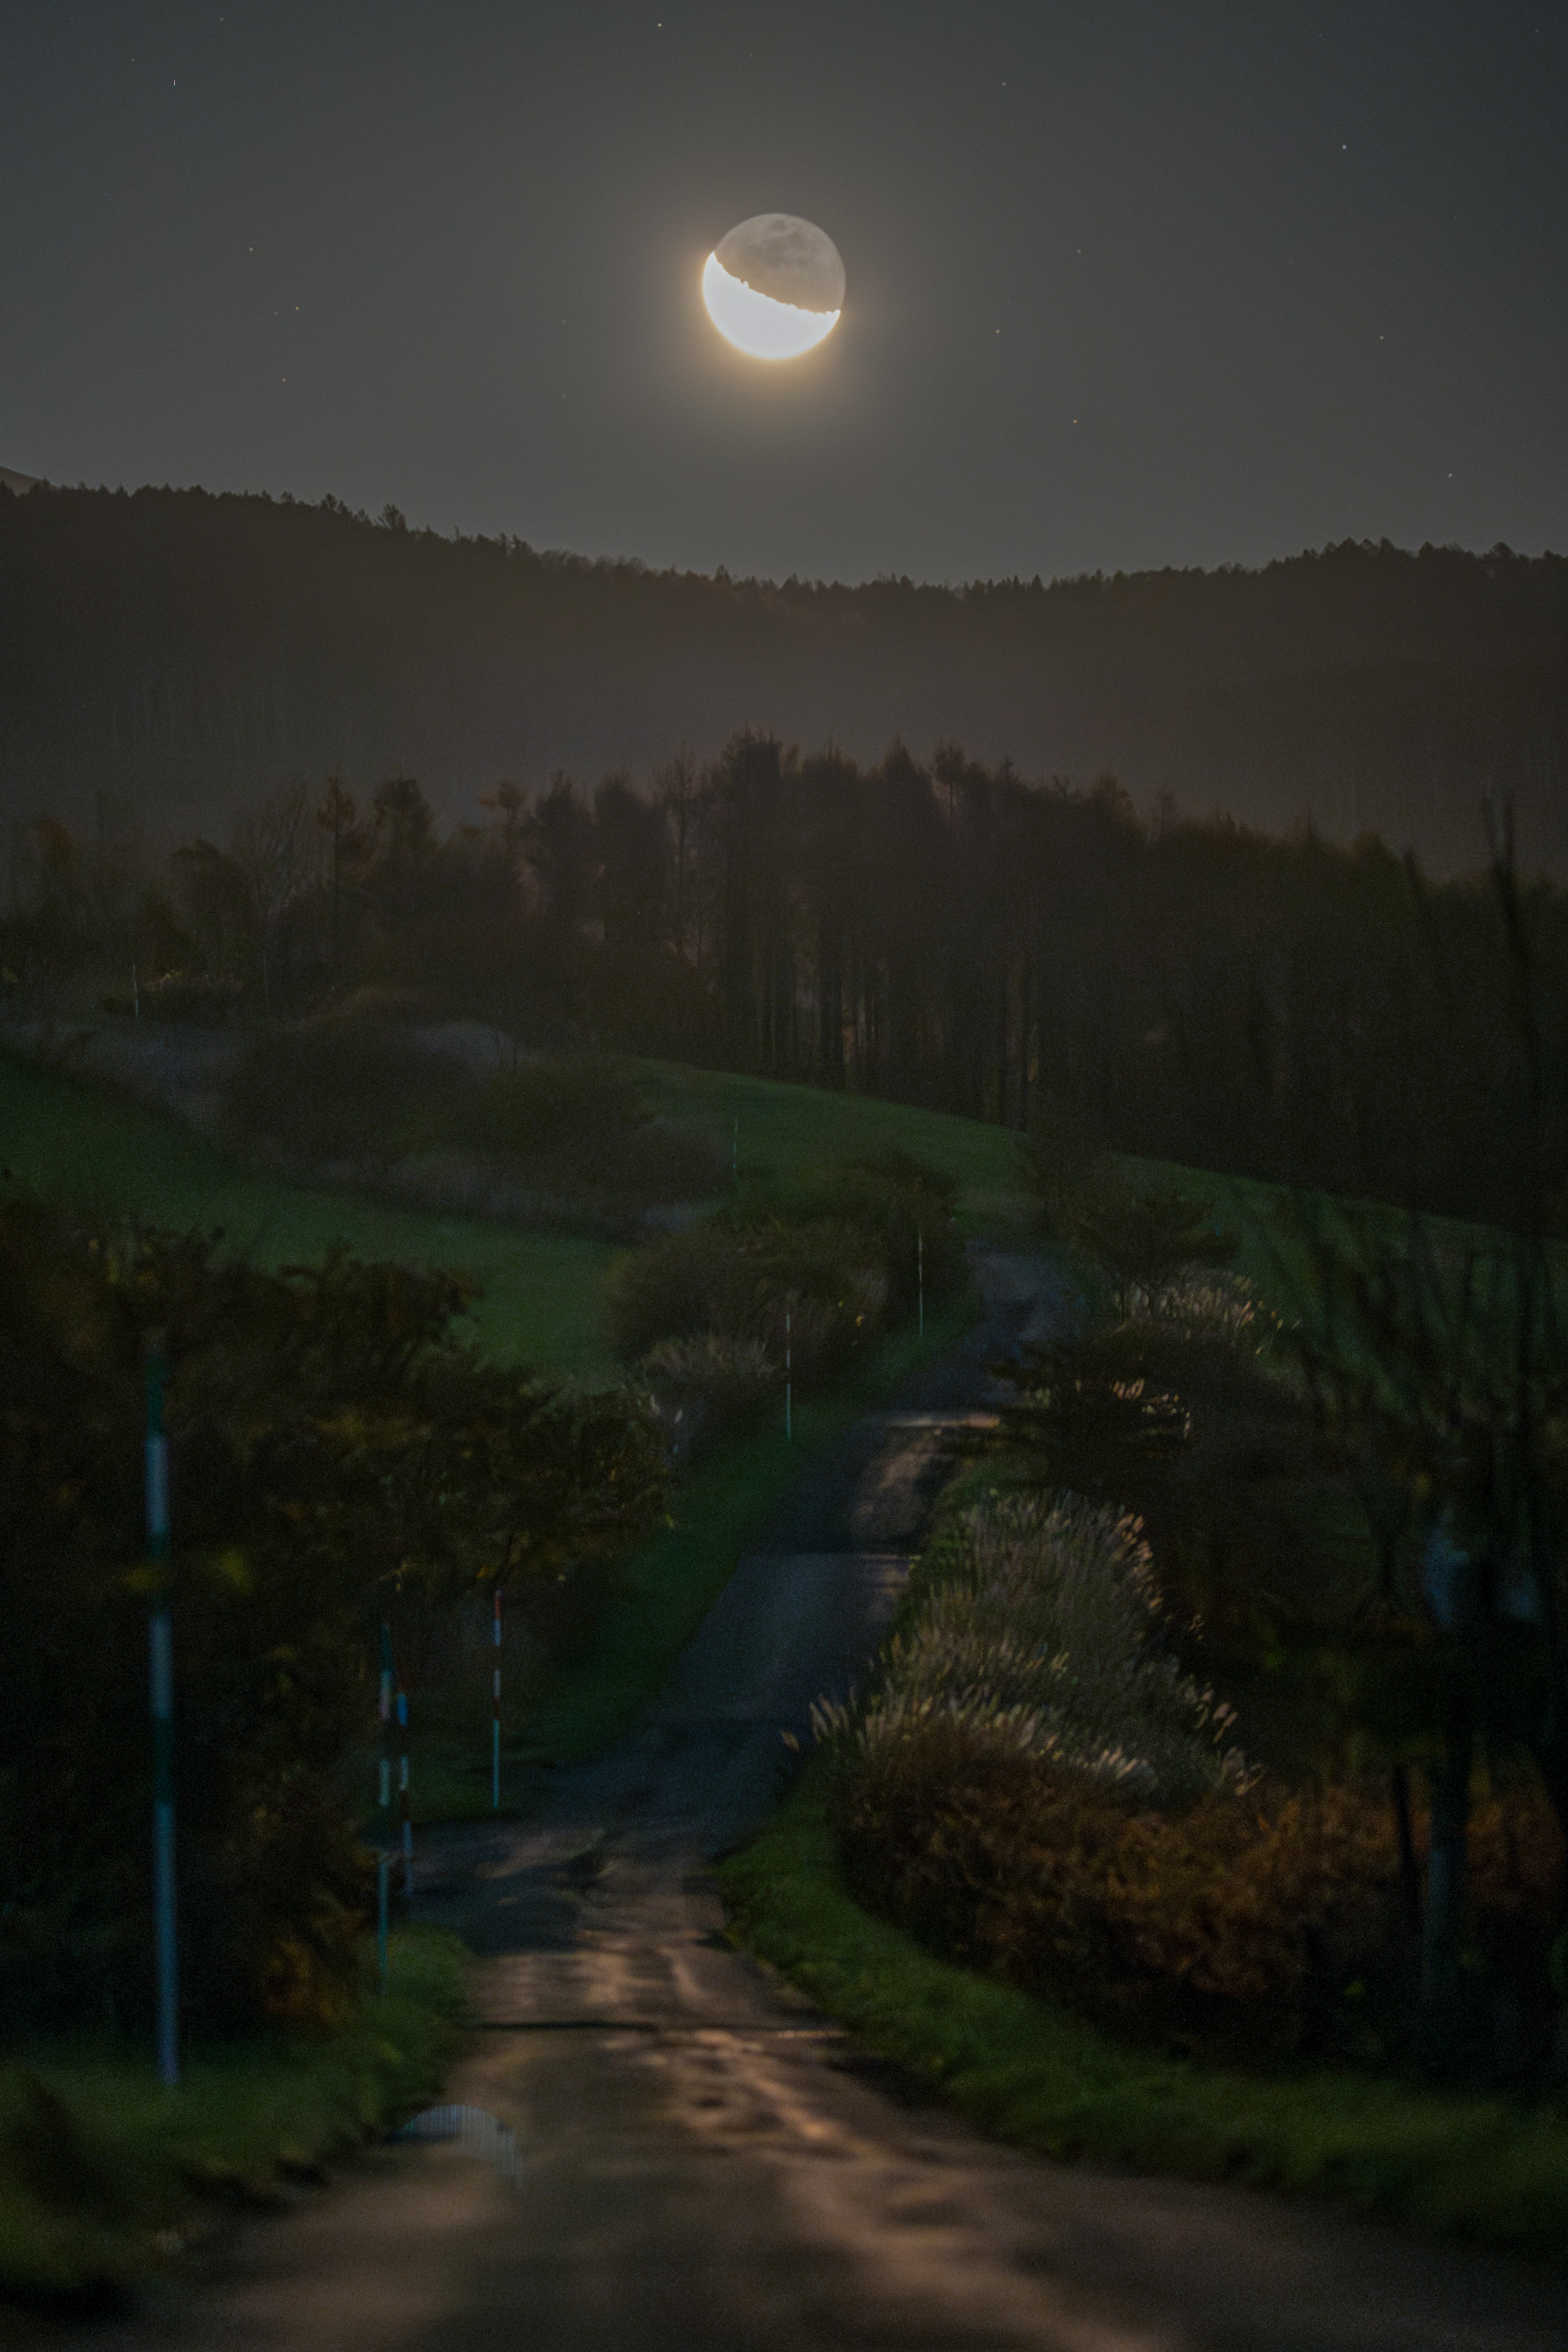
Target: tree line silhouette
<point>945,934</point>
<point>186,650</point>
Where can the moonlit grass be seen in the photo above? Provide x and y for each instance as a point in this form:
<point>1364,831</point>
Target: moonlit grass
<point>755,323</point>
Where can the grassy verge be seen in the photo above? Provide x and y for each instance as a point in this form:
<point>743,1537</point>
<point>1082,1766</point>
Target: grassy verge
<point>1491,2169</point>
<point>541,1291</point>
<point>104,2172</point>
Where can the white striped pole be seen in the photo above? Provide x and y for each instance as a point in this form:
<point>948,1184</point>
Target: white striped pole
<point>496,1706</point>
<point>161,1665</point>
<point>920,1277</point>
<point>788,1420</point>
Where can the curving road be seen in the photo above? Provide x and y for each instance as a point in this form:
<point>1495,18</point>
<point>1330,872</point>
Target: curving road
<point>709,2166</point>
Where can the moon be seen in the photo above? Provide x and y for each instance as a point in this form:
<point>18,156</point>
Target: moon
<point>774,286</point>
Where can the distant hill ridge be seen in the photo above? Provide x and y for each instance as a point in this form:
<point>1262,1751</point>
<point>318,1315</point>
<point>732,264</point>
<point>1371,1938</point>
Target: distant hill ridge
<point>16,482</point>
<point>182,649</point>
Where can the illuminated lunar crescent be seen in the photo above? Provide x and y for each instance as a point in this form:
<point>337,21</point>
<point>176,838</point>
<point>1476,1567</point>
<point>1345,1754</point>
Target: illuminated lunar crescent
<point>774,286</point>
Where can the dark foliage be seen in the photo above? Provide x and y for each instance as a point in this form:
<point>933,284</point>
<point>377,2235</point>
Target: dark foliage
<point>947,936</point>
<point>1257,1925</point>
<point>337,1454</point>
<point>563,1140</point>
<point>343,1090</point>
<point>839,1258</point>
<point>740,1282</point>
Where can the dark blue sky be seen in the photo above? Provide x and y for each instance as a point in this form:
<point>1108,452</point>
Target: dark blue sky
<point>1128,284</point>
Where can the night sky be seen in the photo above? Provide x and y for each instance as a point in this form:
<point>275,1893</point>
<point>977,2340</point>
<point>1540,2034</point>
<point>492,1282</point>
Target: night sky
<point>1128,285</point>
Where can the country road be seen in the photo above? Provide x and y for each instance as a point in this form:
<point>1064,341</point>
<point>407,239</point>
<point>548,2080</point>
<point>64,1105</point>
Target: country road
<point>709,2166</point>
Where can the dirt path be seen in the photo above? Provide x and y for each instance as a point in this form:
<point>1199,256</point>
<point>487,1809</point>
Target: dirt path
<point>707,2164</point>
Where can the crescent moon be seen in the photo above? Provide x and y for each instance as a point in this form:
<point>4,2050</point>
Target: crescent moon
<point>774,286</point>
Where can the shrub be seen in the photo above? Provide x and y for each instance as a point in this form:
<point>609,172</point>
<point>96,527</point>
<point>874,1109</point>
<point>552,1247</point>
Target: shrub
<point>1176,1409</point>
<point>336,1089</point>
<point>556,1112</point>
<point>708,1389</point>
<point>177,996</point>
<point>333,1448</point>
<point>1137,1232</point>
<point>739,1282</point>
<point>669,1159</point>
<point>902,1208</point>
<point>1250,1922</point>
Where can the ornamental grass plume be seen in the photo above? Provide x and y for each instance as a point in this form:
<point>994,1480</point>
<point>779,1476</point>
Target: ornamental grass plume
<point>1044,1640</point>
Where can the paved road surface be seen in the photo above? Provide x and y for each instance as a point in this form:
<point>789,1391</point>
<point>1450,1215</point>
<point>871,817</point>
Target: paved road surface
<point>708,2166</point>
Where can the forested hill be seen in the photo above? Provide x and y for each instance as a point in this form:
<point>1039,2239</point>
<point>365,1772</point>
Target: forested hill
<point>183,650</point>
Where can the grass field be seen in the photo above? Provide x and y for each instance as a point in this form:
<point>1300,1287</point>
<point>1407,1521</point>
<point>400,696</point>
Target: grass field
<point>788,1130</point>
<point>541,1291</point>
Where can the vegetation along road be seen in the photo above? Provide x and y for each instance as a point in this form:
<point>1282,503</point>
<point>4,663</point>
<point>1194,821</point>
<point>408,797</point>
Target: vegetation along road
<point>707,2164</point>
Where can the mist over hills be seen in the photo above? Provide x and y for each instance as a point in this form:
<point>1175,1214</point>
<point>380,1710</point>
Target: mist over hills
<point>179,650</point>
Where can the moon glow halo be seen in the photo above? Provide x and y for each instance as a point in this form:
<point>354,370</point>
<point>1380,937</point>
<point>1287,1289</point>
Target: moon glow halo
<point>774,286</point>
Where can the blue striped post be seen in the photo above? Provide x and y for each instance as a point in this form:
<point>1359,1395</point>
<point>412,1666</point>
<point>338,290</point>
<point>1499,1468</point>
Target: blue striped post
<point>160,1678</point>
<point>402,1796</point>
<point>383,1862</point>
<point>496,1706</point>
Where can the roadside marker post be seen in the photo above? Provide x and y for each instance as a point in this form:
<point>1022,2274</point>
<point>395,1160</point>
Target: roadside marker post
<point>496,1706</point>
<point>920,1277</point>
<point>403,1797</point>
<point>384,1863</point>
<point>788,1423</point>
<point>160,1678</point>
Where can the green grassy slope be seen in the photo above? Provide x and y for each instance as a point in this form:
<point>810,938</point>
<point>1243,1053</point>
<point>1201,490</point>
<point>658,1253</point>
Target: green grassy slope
<point>788,1130</point>
<point>541,1302</point>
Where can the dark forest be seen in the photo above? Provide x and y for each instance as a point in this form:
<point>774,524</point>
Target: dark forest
<point>941,934</point>
<point>185,651</point>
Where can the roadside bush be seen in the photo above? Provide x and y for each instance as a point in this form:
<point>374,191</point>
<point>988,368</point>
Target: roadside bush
<point>708,1389</point>
<point>1249,1923</point>
<point>903,1209</point>
<point>1138,1234</point>
<point>1176,1409</point>
<point>675,1288</point>
<point>740,1282</point>
<point>333,1447</point>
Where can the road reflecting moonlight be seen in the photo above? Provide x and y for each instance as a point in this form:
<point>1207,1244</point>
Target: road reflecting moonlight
<point>774,286</point>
